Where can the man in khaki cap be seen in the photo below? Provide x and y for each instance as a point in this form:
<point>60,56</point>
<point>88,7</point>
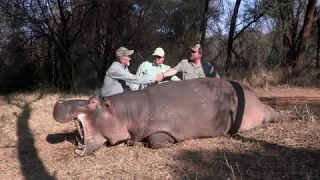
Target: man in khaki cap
<point>192,68</point>
<point>148,68</point>
<point>118,78</point>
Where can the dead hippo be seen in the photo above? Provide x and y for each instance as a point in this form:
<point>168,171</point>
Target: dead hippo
<point>165,114</point>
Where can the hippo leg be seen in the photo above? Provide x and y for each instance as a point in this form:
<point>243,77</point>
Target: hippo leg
<point>160,140</point>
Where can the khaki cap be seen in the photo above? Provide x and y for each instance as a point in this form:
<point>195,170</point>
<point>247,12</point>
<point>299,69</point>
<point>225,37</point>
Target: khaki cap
<point>196,47</point>
<point>158,52</point>
<point>122,51</point>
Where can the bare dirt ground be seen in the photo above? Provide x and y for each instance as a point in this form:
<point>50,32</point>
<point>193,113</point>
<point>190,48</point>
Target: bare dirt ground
<point>34,146</point>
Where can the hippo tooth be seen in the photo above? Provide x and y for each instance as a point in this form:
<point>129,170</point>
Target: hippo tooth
<point>80,147</point>
<point>79,152</point>
<point>79,141</point>
<point>84,132</point>
<point>80,125</point>
<point>77,122</point>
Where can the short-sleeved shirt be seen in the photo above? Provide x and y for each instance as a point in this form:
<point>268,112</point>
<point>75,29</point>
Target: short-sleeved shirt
<point>118,76</point>
<point>150,69</point>
<point>189,71</point>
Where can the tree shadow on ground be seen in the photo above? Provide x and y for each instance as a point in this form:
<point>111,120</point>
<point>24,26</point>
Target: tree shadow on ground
<point>31,165</point>
<point>266,161</point>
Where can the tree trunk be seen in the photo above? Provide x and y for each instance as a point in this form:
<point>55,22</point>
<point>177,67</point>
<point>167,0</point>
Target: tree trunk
<point>304,37</point>
<point>231,34</point>
<point>204,21</point>
<point>318,43</point>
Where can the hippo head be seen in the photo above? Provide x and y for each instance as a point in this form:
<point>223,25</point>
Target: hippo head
<point>94,121</point>
<point>66,111</point>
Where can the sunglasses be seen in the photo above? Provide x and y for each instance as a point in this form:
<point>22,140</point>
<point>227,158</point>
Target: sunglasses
<point>158,57</point>
<point>194,51</point>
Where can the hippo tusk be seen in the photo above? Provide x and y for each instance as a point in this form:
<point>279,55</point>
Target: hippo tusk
<point>80,151</point>
<point>80,130</point>
<point>76,120</point>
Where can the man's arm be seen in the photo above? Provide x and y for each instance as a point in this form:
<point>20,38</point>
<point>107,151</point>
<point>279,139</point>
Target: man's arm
<point>122,74</point>
<point>133,87</point>
<point>172,78</point>
<point>170,72</point>
<point>139,72</point>
<point>210,71</point>
<point>214,73</point>
<point>163,75</point>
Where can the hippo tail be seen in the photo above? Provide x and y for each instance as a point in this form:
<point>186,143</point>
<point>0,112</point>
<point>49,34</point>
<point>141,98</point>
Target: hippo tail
<point>271,115</point>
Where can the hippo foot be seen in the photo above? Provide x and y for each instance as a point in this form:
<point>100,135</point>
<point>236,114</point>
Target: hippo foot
<point>160,140</point>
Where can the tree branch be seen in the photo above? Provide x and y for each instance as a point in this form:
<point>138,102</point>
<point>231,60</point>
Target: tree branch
<point>255,19</point>
<point>316,16</point>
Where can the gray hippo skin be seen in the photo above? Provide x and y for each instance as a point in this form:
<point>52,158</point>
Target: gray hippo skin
<point>165,114</point>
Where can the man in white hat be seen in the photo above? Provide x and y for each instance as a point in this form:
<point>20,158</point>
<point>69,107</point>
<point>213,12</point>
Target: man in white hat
<point>147,68</point>
<point>195,67</point>
<point>118,78</point>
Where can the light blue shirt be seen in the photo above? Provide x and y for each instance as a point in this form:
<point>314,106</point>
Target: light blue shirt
<point>118,76</point>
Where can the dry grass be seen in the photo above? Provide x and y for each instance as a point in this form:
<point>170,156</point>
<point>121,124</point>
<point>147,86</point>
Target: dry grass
<point>34,146</point>
<point>276,77</point>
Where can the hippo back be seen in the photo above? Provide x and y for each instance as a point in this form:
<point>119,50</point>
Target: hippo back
<point>203,107</point>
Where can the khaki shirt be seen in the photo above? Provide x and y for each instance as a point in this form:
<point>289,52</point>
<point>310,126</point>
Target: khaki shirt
<point>189,71</point>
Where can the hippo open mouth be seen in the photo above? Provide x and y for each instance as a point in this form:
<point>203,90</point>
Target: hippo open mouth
<point>89,140</point>
<point>79,127</point>
<point>81,142</point>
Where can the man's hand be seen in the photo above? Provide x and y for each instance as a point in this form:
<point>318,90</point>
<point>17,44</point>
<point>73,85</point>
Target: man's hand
<point>159,77</point>
<point>168,73</point>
